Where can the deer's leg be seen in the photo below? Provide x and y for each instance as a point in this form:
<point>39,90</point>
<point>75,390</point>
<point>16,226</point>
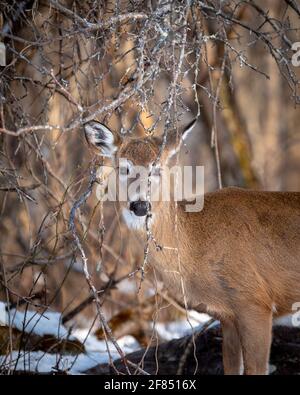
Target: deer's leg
<point>232,350</point>
<point>255,331</point>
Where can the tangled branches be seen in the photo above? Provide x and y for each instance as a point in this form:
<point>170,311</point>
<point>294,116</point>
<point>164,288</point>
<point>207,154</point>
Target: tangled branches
<point>142,67</point>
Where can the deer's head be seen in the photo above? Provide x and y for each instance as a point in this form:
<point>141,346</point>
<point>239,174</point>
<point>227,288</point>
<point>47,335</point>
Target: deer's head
<point>138,164</point>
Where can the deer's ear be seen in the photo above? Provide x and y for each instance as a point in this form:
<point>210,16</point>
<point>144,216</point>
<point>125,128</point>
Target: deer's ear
<point>175,140</point>
<point>101,138</point>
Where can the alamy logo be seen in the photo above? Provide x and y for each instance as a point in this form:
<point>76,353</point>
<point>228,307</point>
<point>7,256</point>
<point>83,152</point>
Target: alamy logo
<point>129,183</point>
<point>296,56</point>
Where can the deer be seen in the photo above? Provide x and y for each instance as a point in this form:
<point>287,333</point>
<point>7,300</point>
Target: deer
<point>237,259</point>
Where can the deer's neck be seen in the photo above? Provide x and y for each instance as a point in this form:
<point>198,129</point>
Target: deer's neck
<point>168,221</point>
<point>169,249</point>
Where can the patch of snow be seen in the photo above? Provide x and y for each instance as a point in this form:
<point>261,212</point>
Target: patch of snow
<point>177,329</point>
<point>32,322</point>
<point>50,324</point>
<point>91,343</point>
<point>42,362</point>
<point>284,321</point>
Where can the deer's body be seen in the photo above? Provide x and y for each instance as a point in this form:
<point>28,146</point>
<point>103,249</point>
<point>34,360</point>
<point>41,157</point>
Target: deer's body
<point>238,259</point>
<point>243,246</point>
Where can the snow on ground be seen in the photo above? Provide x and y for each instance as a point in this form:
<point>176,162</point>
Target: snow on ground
<point>91,343</point>
<point>32,322</point>
<point>96,350</point>
<point>41,362</point>
<point>177,329</point>
<point>285,321</point>
<point>50,324</point>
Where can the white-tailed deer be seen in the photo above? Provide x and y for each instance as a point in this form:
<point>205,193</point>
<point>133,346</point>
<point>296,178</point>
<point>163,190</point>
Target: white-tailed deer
<point>238,259</point>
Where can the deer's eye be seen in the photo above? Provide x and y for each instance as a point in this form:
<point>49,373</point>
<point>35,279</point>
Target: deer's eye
<point>124,170</point>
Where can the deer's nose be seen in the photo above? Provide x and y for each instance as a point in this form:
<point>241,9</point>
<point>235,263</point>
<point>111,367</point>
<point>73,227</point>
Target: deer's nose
<point>140,207</point>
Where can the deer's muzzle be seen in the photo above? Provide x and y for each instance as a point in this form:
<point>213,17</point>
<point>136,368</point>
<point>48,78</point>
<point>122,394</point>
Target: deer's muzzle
<point>140,207</point>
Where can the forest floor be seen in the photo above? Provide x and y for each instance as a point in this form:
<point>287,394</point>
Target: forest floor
<point>180,356</point>
<point>41,344</point>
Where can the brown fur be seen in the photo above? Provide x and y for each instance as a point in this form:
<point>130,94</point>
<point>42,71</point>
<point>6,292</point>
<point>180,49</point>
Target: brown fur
<point>238,258</point>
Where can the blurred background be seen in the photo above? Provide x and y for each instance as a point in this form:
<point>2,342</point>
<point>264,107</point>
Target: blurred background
<point>141,67</point>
